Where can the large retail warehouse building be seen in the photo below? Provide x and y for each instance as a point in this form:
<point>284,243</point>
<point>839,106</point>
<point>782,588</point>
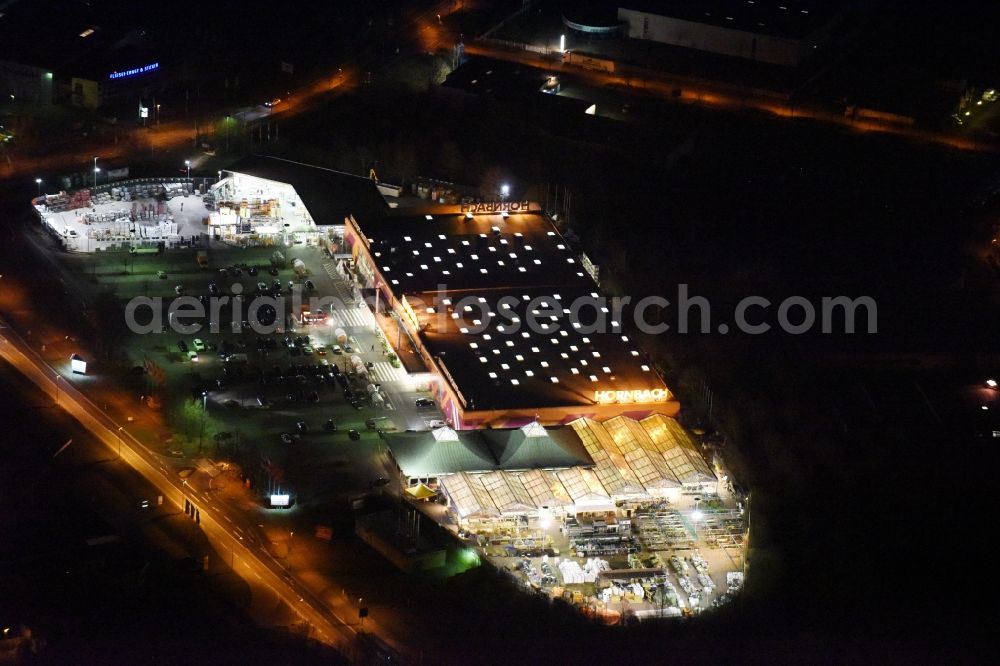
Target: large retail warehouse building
<point>486,295</point>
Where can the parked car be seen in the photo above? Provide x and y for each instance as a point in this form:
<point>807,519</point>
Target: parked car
<point>329,425</point>
<point>336,349</point>
<point>179,290</point>
<point>424,402</point>
<point>161,274</point>
<point>302,427</point>
<point>192,356</point>
<point>354,434</point>
<point>436,423</point>
<point>198,344</point>
<point>182,346</point>
<point>286,438</point>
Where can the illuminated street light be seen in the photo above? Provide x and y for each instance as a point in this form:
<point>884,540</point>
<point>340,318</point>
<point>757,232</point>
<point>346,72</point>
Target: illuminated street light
<point>187,163</point>
<point>992,383</point>
<point>504,190</point>
<point>697,515</point>
<point>38,181</point>
<point>96,171</point>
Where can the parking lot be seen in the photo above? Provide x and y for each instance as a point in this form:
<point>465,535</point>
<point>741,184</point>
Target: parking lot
<point>306,397</point>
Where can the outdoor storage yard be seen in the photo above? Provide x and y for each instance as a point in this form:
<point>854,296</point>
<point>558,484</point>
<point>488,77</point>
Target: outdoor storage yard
<point>667,558</point>
<point>128,214</point>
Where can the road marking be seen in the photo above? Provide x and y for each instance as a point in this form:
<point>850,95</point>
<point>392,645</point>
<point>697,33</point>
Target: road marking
<point>384,372</point>
<point>350,317</point>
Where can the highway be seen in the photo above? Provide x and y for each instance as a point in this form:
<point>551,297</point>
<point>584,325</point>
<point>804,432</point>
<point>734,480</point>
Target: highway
<point>224,527</point>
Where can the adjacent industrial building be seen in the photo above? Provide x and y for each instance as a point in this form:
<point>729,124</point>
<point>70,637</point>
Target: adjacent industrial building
<point>779,32</point>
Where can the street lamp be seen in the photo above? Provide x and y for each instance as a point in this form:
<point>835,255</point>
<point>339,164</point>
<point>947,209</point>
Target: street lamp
<point>204,408</point>
<point>504,190</point>
<point>58,377</point>
<point>187,163</point>
<point>119,433</point>
<point>38,182</point>
<point>220,175</point>
<point>96,171</point>
<point>157,114</point>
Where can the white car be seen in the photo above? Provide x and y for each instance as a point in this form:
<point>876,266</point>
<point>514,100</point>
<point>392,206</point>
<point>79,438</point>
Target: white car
<point>198,345</point>
<point>436,423</point>
<point>336,349</point>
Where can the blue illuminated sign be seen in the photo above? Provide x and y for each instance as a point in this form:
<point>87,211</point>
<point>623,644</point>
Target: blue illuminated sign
<point>133,72</point>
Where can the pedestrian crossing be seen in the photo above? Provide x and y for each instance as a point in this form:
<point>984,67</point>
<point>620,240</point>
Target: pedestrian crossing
<point>344,318</point>
<point>383,373</point>
<point>331,269</point>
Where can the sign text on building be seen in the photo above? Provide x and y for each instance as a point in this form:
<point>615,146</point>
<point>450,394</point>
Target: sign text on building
<point>134,71</point>
<point>496,206</point>
<point>632,396</point>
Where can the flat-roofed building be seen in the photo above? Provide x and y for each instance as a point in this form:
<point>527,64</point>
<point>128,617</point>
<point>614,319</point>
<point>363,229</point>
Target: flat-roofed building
<point>780,32</point>
<point>506,315</point>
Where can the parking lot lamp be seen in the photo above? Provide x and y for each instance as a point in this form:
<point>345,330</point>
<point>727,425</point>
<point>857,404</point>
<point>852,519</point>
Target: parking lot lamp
<point>38,182</point>
<point>187,163</point>
<point>96,171</point>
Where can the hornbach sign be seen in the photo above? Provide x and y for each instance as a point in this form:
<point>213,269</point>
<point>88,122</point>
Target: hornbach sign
<point>496,206</point>
<point>630,397</point>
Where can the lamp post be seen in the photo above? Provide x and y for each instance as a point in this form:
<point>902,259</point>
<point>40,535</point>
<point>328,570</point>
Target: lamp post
<point>204,408</point>
<point>119,433</point>
<point>96,171</point>
<point>157,114</point>
<point>58,377</point>
<point>220,176</point>
<point>38,182</point>
<point>187,163</point>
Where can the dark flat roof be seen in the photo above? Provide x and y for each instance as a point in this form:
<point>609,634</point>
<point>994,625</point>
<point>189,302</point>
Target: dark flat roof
<point>792,19</point>
<point>416,254</point>
<point>329,195</point>
<point>46,34</point>
<point>520,356</point>
<point>423,454</point>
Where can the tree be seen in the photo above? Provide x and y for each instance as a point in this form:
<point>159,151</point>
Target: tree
<point>493,180</point>
<point>450,160</point>
<point>405,162</point>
